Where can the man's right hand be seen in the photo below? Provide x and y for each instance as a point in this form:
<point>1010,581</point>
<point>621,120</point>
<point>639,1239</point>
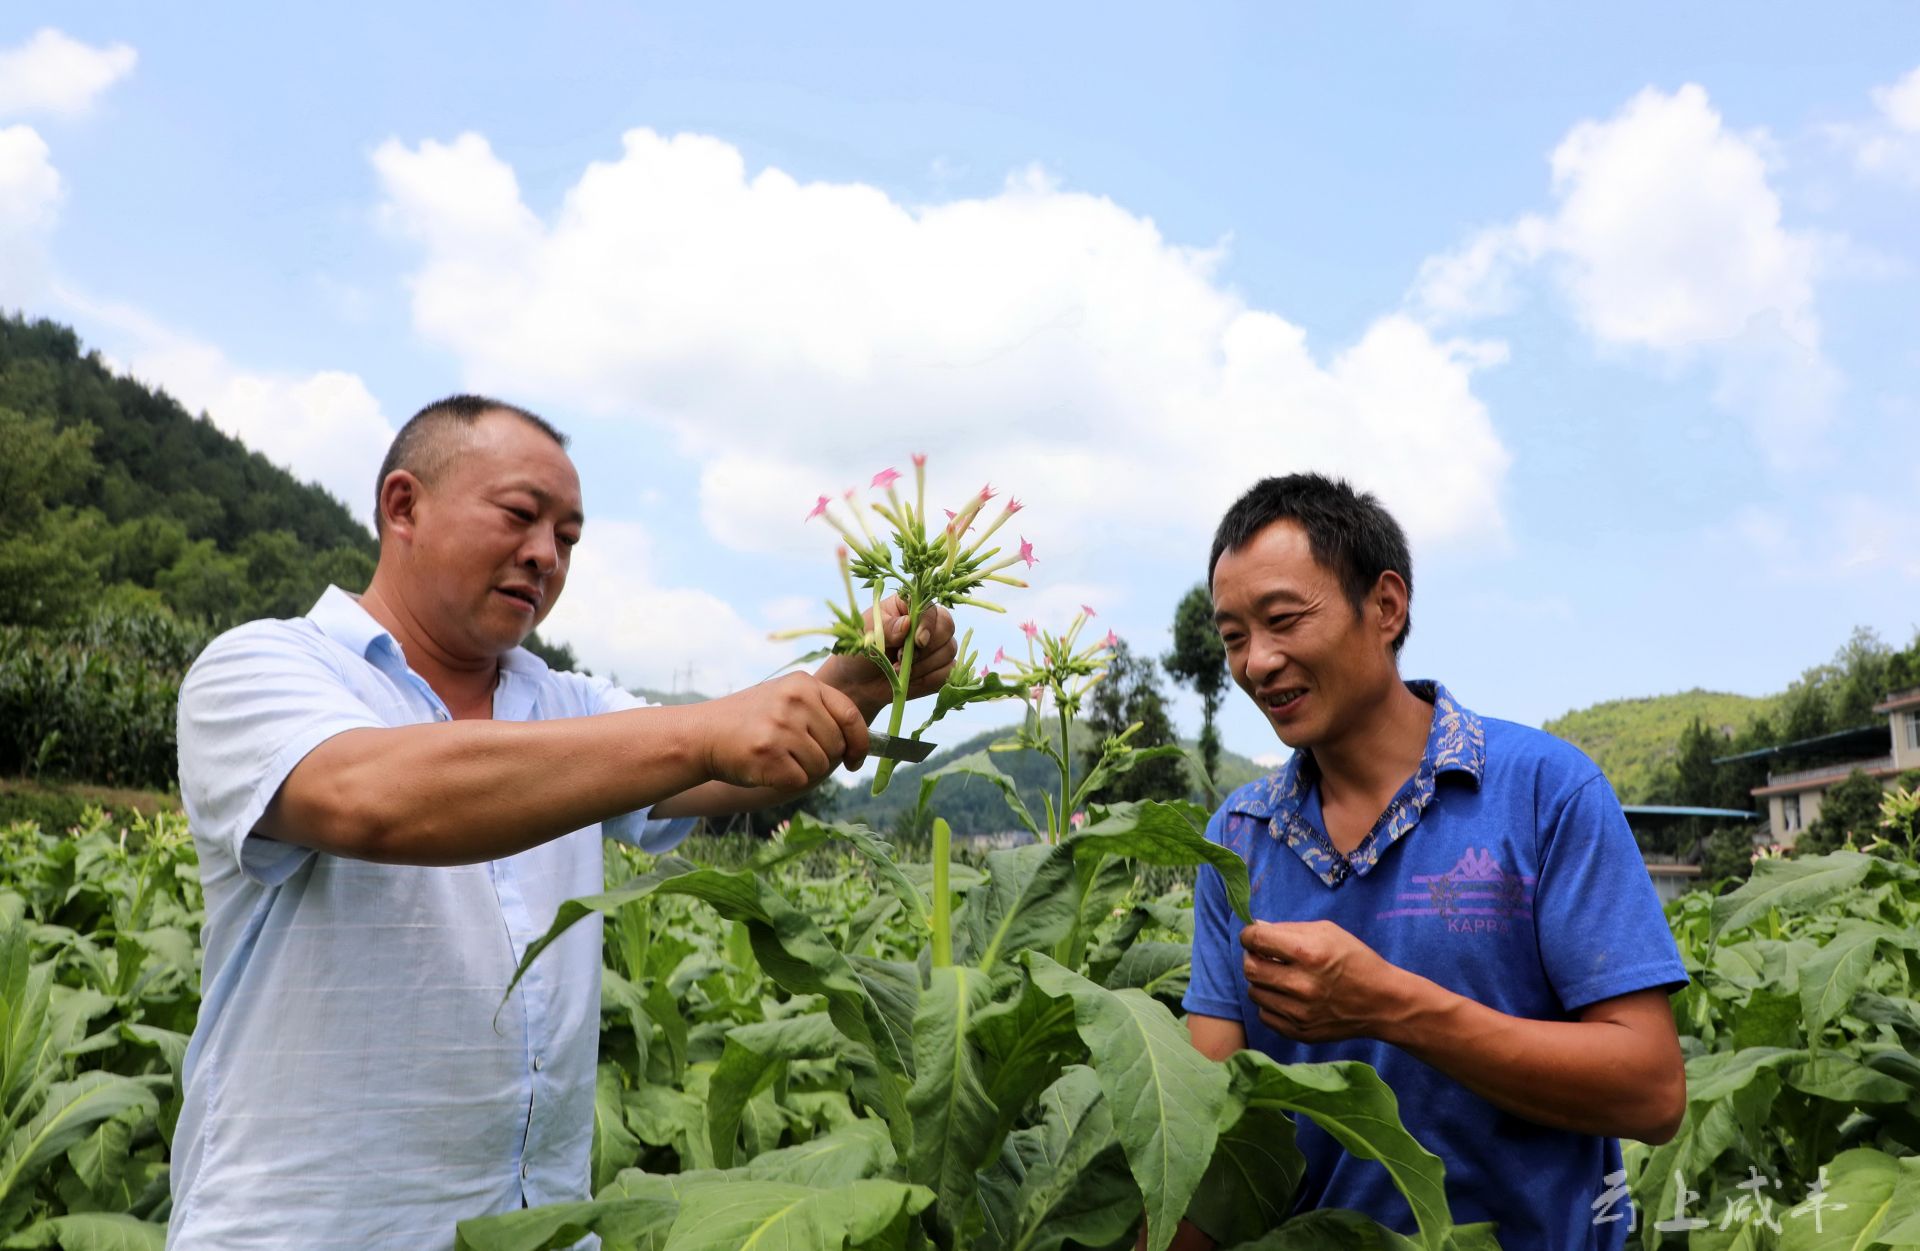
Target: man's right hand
<point>788,734</point>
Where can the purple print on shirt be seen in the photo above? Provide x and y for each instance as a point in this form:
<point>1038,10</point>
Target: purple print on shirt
<point>1475,896</point>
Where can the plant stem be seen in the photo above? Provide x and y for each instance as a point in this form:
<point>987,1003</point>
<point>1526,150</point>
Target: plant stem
<point>902,676</point>
<point>942,896</point>
<point>1066,774</point>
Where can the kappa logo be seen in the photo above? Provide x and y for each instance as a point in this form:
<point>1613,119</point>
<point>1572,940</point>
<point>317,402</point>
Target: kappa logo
<point>1475,896</point>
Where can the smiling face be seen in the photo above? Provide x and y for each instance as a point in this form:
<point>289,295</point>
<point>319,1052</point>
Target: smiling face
<point>1294,641</point>
<point>487,542</point>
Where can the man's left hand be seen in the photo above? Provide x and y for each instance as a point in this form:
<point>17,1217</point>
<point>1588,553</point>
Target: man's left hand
<point>934,652</point>
<point>1314,982</point>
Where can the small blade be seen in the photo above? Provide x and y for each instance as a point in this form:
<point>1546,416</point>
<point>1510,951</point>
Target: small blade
<point>887,747</point>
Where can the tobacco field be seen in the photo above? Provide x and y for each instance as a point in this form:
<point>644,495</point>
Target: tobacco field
<point>803,1046</point>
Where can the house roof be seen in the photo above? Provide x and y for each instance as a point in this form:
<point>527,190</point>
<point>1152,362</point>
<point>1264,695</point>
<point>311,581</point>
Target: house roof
<point>1862,741</point>
<point>1659,812</point>
<point>1899,701</point>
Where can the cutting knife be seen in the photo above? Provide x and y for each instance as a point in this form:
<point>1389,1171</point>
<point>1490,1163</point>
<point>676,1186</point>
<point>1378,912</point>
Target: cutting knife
<point>888,747</point>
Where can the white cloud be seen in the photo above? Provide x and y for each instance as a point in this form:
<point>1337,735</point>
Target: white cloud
<point>30,193</point>
<point>616,617</point>
<point>794,337</point>
<point>1667,237</point>
<point>325,426</point>
<point>55,73</point>
<point>1889,144</point>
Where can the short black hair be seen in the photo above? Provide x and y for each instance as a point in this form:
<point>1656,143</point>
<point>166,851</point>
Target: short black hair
<point>425,446</point>
<point>1349,533</point>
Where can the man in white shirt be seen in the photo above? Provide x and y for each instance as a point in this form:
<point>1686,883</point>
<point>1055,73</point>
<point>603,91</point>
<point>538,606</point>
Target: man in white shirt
<point>391,797</point>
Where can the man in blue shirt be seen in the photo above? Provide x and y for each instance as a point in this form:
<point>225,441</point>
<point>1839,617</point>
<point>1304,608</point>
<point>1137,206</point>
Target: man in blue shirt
<point>1453,899</point>
<point>391,798</point>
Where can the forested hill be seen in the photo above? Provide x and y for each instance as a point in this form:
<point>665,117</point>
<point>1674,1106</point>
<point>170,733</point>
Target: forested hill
<point>113,491</point>
<point>1631,739</point>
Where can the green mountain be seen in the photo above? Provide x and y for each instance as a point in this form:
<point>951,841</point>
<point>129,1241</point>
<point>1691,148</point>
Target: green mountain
<point>974,805</point>
<point>1630,739</point>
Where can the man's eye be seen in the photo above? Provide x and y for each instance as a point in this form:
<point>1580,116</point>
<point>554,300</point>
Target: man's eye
<point>522,513</point>
<point>568,539</point>
<point>1283,620</point>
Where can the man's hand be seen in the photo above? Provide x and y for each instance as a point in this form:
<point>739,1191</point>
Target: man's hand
<point>934,652</point>
<point>1314,982</point>
<point>787,734</point>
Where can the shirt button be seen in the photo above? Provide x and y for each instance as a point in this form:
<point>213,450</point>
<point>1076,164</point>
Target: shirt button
<point>539,1062</point>
<point>523,1170</point>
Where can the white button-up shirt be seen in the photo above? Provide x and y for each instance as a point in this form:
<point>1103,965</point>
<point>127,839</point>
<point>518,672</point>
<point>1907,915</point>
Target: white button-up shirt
<point>355,1079</point>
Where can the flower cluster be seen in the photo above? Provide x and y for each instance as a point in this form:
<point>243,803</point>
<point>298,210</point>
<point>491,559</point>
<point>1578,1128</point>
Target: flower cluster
<point>1056,667</point>
<point>898,553</point>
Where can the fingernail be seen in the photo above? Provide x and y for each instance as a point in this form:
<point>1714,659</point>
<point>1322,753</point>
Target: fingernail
<point>925,637</point>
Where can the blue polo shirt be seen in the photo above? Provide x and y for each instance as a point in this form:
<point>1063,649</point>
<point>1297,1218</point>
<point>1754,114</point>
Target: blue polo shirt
<point>1503,870</point>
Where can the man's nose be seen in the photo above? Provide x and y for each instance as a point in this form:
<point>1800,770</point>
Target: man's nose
<point>1265,658</point>
<point>541,553</point>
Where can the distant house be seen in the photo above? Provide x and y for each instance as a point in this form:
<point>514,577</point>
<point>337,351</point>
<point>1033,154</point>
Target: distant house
<point>1793,796</point>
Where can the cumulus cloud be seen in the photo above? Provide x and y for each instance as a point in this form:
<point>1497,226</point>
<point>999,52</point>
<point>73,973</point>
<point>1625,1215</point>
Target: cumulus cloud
<point>1667,237</point>
<point>29,201</point>
<point>55,73</point>
<point>793,337</point>
<point>617,617</point>
<point>1889,144</point>
<point>325,426</point>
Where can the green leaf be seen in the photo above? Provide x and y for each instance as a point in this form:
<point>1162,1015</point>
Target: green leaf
<point>1027,904</point>
<point>790,949</point>
<point>777,1216</point>
<point>1250,1183</point>
<point>1332,1229</point>
<point>880,855</point>
<point>614,1145</point>
<point>753,1055</point>
<point>1350,1102</point>
<point>1790,886</point>
<point>93,1231</point>
<point>1863,1181</point>
<point>1166,1099</point>
<point>953,1119</point>
<point>1768,1019</point>
<point>1165,834</point>
<point>1150,966</point>
<point>100,1159</point>
<point>861,1148</point>
<point>1711,1078</point>
<point>1833,976</point>
<point>1027,1039</point>
<point>70,1111</point>
<point>1065,1179</point>
<point>1839,1077</point>
<point>980,764</point>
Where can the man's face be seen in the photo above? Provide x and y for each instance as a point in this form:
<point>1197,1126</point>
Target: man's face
<point>1294,642</point>
<point>492,536</point>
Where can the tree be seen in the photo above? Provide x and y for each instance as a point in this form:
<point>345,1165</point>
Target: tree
<point>1131,693</point>
<point>1198,661</point>
<point>1849,812</point>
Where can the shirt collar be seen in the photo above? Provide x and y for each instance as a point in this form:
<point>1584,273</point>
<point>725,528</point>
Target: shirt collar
<point>1457,743</point>
<point>341,618</point>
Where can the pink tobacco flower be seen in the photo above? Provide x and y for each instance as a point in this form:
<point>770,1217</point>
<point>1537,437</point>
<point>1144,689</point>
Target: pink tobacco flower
<point>1026,552</point>
<point>1014,506</point>
<point>1088,611</point>
<point>886,478</point>
<point>1111,641</point>
<point>987,492</point>
<point>985,670</point>
<point>1000,656</point>
<point>1030,630</point>
<point>819,507</point>
<point>1077,820</point>
<point>920,460</point>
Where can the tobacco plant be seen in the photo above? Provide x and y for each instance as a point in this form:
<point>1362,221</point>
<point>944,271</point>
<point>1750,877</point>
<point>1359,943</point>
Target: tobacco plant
<point>1010,1080</point>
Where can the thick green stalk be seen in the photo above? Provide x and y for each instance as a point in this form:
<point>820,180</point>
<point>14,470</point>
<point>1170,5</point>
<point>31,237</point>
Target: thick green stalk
<point>1066,774</point>
<point>942,895</point>
<point>902,677</point>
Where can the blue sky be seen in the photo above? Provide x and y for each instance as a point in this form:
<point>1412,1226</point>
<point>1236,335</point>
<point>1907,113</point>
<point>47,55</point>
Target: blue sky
<point>1615,309</point>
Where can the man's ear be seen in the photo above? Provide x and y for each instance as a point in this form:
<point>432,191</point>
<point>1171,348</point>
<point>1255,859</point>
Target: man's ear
<point>1390,596</point>
<point>400,502</point>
